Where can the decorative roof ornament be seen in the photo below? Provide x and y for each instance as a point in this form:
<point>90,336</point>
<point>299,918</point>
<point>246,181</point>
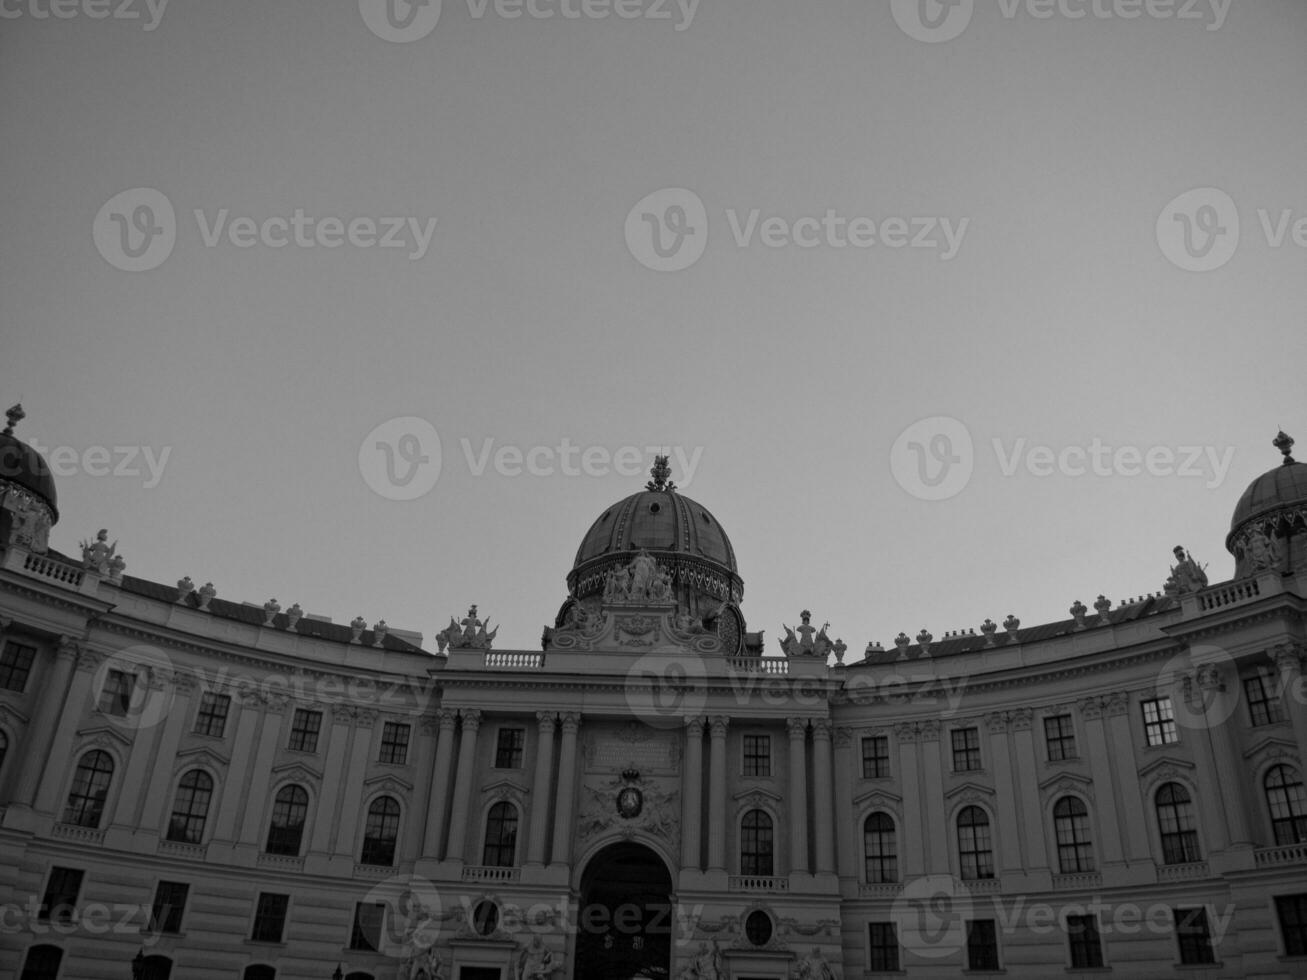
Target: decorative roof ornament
<point>16,415</point>
<point>660,473</point>
<point>1282,441</point>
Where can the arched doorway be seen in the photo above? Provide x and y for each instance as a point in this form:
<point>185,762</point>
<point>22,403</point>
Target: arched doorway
<point>625,920</point>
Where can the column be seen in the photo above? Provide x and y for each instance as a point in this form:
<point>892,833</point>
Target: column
<point>1214,685</point>
<point>158,791</point>
<point>421,751</point>
<point>1027,781</point>
<point>247,725</point>
<point>717,778</point>
<point>439,802</point>
<point>350,793</point>
<point>822,789</point>
<point>1134,812</point>
<point>1008,839</point>
<point>59,762</point>
<point>563,829</point>
<point>535,849</point>
<point>1288,659</point>
<point>912,832</point>
<point>845,832</point>
<point>39,736</point>
<point>256,777</point>
<point>798,729</point>
<point>336,753</point>
<point>1100,770</point>
<point>692,793</point>
<point>938,849</point>
<point>463,784</point>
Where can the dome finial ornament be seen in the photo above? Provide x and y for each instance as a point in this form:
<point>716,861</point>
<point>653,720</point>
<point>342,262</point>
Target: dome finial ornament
<point>660,473</point>
<point>1284,443</point>
<point>14,415</point>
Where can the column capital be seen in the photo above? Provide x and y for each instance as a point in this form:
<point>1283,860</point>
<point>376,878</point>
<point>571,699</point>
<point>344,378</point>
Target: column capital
<point>1288,657</point>
<point>546,720</point>
<point>797,727</point>
<point>471,719</point>
<point>367,717</point>
<point>1115,704</point>
<point>695,724</point>
<point>88,661</point>
<point>1090,707</point>
<point>1020,719</point>
<point>843,737</point>
<point>67,648</point>
<point>821,729</point>
<point>1209,676</point>
<point>906,731</point>
<point>446,718</point>
<point>719,725</point>
<point>997,722</point>
<point>570,721</point>
<point>928,731</point>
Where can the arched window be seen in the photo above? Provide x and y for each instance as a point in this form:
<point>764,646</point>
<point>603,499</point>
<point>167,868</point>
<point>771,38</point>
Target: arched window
<point>358,975</point>
<point>501,836</point>
<point>289,811</point>
<point>90,789</point>
<point>42,963</point>
<point>190,808</point>
<point>1175,821</point>
<point>1071,825</point>
<point>259,971</point>
<point>975,846</point>
<point>157,968</point>
<point>879,848</point>
<point>380,832</point>
<point>1288,806</point>
<point>756,847</point>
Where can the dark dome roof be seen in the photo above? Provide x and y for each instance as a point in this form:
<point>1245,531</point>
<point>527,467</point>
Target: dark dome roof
<point>657,521</point>
<point>1283,486</point>
<point>23,466</point>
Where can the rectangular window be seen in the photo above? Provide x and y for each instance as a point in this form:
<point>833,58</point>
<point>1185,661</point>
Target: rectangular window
<point>1086,945</point>
<point>1194,936</point>
<point>966,749</point>
<point>875,757</point>
<point>169,904</point>
<point>15,665</point>
<point>394,743</point>
<point>982,944</point>
<point>1264,707</point>
<point>269,918</point>
<point>366,933</point>
<point>212,716</point>
<point>884,947</point>
<point>1159,722</point>
<point>116,694</point>
<point>304,730</point>
<point>1060,734</point>
<point>508,748</point>
<point>757,755</point>
<point>1292,913</point>
<point>61,891</point>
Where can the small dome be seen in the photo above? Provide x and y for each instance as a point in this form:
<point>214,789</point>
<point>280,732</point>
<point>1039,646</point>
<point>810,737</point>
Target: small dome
<point>1283,487</point>
<point>23,467</point>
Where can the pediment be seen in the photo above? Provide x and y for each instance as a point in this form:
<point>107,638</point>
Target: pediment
<point>1067,782</point>
<point>10,714</point>
<point>878,797</point>
<point>1271,744</point>
<point>970,789</point>
<point>101,733</point>
<point>756,794</point>
<point>204,756</point>
<point>390,782</point>
<point>503,786</point>
<point>1167,765</point>
<point>297,770</point>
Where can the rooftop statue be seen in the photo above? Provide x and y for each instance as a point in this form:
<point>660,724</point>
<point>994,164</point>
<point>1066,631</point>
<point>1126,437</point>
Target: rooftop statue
<point>805,644</point>
<point>643,579</point>
<point>469,633</point>
<point>1186,575</point>
<point>97,554</point>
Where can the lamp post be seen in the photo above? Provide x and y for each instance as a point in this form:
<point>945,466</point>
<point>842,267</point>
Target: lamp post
<point>138,964</point>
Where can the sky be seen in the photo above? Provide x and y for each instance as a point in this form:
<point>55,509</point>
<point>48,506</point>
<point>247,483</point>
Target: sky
<point>944,312</point>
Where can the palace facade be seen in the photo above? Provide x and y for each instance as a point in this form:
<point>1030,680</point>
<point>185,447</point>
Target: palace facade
<point>205,789</point>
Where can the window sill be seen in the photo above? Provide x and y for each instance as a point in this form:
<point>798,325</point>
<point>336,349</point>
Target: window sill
<point>1213,965</point>
<point>266,943</point>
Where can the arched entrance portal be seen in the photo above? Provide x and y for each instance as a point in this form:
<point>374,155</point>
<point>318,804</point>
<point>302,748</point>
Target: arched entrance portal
<point>625,921</point>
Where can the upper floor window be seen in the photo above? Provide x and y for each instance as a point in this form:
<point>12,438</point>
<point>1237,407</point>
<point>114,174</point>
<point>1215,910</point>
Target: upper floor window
<point>875,757</point>
<point>882,947</point>
<point>1159,721</point>
<point>1060,735</point>
<point>61,890</point>
<point>1175,822</point>
<point>975,846</point>
<point>169,904</point>
<point>289,811</point>
<point>757,755</point>
<point>90,789</point>
<point>1071,825</point>
<point>1264,705</point>
<point>966,749</point>
<point>190,808</point>
<point>15,665</point>
<point>880,849</point>
<point>381,832</point>
<point>501,836</point>
<point>1292,913</point>
<point>42,963</point>
<point>982,944</point>
<point>509,745</point>
<point>1086,945</point>
<point>116,693</point>
<point>365,934</point>
<point>211,719</point>
<point>1194,936</point>
<point>269,918</point>
<point>756,845</point>
<point>304,730</point>
<point>1285,800</point>
<point>394,743</point>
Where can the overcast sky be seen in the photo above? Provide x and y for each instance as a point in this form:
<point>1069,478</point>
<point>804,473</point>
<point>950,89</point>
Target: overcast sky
<point>772,236</point>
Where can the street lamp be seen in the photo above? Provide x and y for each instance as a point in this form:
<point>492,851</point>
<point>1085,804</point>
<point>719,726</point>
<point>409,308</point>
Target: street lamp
<point>337,975</point>
<point>138,964</point>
